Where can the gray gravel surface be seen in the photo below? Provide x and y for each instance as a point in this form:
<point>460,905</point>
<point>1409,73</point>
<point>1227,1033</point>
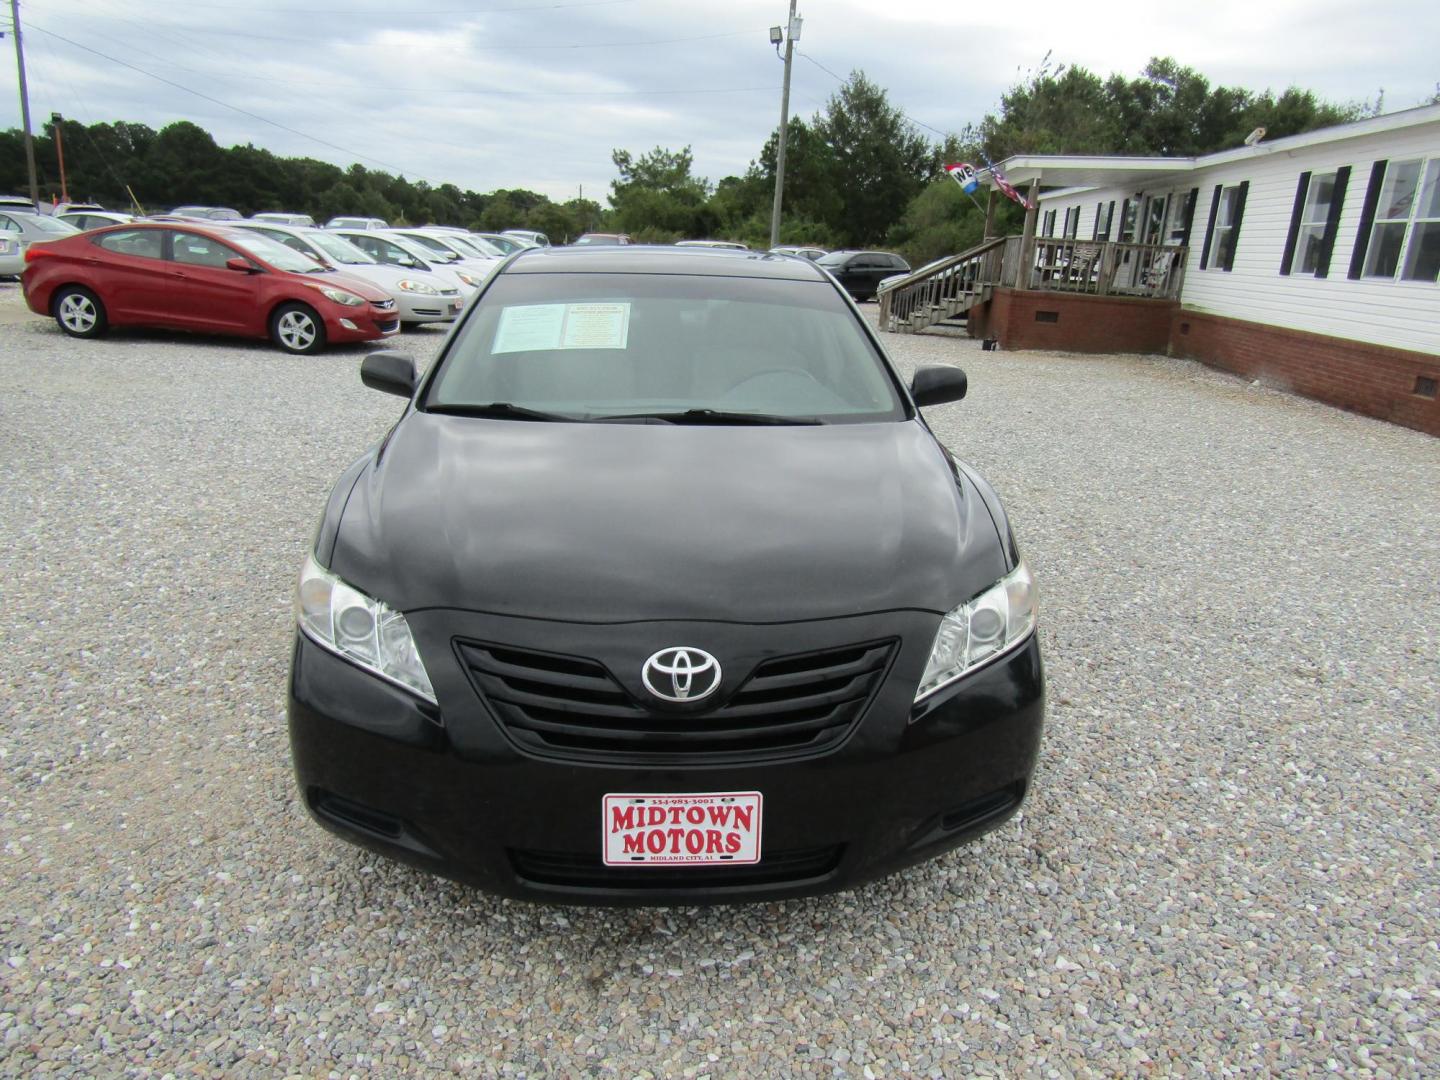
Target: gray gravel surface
<point>1228,864</point>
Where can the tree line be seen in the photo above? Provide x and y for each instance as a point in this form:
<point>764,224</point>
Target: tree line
<point>858,172</point>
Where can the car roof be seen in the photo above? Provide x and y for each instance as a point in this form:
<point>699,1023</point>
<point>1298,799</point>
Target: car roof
<point>643,259</point>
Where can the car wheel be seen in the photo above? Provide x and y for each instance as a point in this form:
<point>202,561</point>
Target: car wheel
<point>297,329</point>
<point>80,312</point>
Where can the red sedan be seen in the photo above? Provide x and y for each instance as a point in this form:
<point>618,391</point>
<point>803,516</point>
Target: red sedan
<point>207,279</point>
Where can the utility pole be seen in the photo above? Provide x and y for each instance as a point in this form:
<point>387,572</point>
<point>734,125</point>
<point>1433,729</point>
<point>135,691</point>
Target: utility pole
<point>25,102</point>
<point>792,31</point>
<point>55,121</point>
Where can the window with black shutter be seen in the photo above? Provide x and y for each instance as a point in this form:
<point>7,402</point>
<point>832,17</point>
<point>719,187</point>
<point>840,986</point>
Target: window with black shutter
<point>1404,223</point>
<point>1332,222</point>
<point>1367,218</point>
<point>1313,220</point>
<point>1227,210</point>
<point>1210,228</point>
<point>1190,215</point>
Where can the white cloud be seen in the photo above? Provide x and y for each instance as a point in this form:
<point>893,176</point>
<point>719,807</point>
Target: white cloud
<point>503,99</point>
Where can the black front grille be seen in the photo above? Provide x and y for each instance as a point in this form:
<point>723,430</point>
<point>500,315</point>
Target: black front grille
<point>573,707</point>
<point>386,325</point>
<point>590,872</point>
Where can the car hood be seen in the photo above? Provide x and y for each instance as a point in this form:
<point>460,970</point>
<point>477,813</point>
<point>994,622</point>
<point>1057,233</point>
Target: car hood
<point>623,522</point>
<point>360,286</point>
<point>389,277</point>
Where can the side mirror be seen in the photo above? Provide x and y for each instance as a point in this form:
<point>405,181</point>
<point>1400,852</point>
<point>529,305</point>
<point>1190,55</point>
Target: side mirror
<point>938,384</point>
<point>243,266</point>
<point>391,371</point>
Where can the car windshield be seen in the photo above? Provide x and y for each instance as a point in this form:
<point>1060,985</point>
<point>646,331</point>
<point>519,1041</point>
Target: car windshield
<point>338,249</point>
<point>272,251</point>
<point>481,246</point>
<point>676,348</point>
<point>50,225</point>
<point>433,245</point>
<point>835,258</point>
<point>598,238</point>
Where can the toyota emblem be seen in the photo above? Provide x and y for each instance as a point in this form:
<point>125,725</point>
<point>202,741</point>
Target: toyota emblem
<point>681,674</point>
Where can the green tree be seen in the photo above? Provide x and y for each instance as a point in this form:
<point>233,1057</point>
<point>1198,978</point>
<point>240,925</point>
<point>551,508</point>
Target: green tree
<point>657,198</point>
<point>1168,110</point>
<point>814,210</point>
<point>880,162</point>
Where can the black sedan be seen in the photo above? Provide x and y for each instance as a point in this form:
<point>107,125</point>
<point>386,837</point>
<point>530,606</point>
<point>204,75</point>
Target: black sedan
<point>661,590</point>
<point>862,271</point>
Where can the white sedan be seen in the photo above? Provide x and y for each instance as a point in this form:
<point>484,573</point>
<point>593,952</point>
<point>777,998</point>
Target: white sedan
<point>12,259</point>
<point>84,220</point>
<point>395,250</point>
<point>420,297</point>
<point>453,247</point>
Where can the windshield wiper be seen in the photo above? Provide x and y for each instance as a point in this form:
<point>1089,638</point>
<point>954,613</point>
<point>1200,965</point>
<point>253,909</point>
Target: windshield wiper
<point>713,416</point>
<point>496,410</point>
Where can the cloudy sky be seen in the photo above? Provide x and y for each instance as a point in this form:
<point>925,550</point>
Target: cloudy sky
<point>536,93</point>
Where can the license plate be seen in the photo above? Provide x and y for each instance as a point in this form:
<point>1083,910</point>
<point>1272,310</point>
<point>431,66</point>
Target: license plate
<point>715,829</point>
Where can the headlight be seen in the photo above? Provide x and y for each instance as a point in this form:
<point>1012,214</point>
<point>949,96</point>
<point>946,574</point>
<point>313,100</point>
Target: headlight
<point>468,279</point>
<point>340,296</point>
<point>975,633</point>
<point>419,287</point>
<point>359,628</point>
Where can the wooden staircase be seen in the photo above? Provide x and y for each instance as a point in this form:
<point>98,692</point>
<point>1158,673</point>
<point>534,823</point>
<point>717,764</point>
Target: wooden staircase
<point>947,288</point>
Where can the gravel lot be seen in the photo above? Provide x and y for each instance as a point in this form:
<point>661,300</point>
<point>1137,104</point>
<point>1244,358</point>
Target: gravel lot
<point>1228,863</point>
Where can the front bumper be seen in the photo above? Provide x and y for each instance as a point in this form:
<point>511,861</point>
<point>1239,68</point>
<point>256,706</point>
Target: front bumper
<point>416,308</point>
<point>367,323</point>
<point>450,790</point>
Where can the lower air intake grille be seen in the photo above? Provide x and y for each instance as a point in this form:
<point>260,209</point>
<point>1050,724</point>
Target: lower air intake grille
<point>589,872</point>
<point>573,707</point>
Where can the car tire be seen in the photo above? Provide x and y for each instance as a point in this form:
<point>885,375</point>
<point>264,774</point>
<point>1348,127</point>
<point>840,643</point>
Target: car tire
<point>297,329</point>
<point>79,312</point>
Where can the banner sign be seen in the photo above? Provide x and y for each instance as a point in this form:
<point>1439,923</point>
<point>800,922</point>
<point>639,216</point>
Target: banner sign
<point>964,174</point>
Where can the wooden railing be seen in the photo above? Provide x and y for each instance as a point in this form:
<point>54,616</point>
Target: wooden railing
<point>948,286</point>
<point>1107,269</point>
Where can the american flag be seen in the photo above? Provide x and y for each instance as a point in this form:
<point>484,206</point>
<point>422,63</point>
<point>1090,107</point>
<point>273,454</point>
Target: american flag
<point>1007,187</point>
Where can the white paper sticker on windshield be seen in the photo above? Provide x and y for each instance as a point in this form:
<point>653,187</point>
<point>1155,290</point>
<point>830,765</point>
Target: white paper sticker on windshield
<point>529,328</point>
<point>537,327</point>
<point>596,326</point>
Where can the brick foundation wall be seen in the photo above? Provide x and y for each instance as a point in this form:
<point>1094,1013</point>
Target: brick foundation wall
<point>1370,379</point>
<point>1025,319</point>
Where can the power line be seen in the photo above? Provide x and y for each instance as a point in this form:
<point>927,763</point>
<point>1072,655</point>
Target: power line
<point>470,48</point>
<point>84,128</point>
<point>311,12</point>
<point>428,90</point>
<point>907,116</point>
<point>224,104</point>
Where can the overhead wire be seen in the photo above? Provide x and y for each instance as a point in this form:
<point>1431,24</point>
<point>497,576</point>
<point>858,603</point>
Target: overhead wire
<point>48,47</point>
<point>907,116</point>
<point>223,104</point>
<point>547,47</point>
<point>312,11</point>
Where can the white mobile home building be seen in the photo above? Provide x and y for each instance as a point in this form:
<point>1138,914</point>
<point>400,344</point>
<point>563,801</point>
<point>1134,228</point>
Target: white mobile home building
<point>1311,261</point>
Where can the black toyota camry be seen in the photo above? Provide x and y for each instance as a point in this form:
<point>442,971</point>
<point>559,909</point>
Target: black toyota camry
<point>661,590</point>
